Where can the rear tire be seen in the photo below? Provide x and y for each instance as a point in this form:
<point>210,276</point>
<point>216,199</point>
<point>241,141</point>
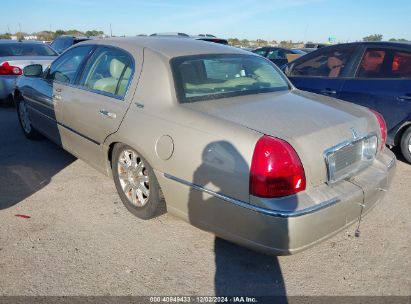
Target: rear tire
<point>24,118</point>
<point>136,182</point>
<point>406,145</point>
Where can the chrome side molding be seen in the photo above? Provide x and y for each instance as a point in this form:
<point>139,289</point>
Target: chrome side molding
<point>265,211</point>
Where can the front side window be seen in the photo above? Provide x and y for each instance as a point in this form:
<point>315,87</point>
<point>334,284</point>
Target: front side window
<point>260,52</point>
<point>64,69</point>
<point>204,77</point>
<point>327,64</point>
<point>108,71</point>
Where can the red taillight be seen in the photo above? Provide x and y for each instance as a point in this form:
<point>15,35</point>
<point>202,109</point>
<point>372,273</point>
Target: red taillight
<point>7,69</point>
<point>383,128</point>
<point>276,169</point>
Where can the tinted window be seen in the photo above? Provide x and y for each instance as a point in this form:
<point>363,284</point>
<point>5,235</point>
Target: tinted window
<point>218,76</point>
<point>60,44</point>
<point>371,65</point>
<point>25,49</point>
<point>276,54</point>
<point>401,65</point>
<point>385,63</point>
<point>65,68</point>
<point>108,71</point>
<point>260,52</point>
<point>326,64</point>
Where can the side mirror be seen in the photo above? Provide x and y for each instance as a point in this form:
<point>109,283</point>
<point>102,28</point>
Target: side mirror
<point>33,70</point>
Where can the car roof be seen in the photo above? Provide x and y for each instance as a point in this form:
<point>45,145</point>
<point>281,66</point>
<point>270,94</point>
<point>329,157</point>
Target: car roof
<point>169,47</point>
<point>374,43</point>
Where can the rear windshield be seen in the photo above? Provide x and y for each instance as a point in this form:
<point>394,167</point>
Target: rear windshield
<point>204,77</point>
<point>25,49</point>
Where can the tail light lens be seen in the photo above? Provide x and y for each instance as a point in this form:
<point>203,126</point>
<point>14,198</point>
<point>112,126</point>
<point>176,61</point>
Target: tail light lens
<point>383,128</point>
<point>276,169</point>
<point>7,69</point>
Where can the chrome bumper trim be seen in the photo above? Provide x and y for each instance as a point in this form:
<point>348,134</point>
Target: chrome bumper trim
<point>264,211</point>
<point>391,164</point>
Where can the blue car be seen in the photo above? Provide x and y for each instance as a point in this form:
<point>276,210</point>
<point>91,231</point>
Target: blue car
<point>376,75</point>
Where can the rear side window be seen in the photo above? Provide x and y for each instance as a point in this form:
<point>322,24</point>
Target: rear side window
<point>401,65</point>
<point>25,49</point>
<point>385,63</point>
<point>108,71</point>
<point>326,64</point>
<point>371,65</point>
<point>64,68</point>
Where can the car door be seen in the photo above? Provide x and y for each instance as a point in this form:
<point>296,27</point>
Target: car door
<point>323,71</point>
<point>94,108</point>
<point>383,82</point>
<point>43,94</point>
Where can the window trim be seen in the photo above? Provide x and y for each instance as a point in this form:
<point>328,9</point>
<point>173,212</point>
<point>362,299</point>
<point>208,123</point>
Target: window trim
<point>77,85</point>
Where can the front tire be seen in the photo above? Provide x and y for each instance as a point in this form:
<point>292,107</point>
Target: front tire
<point>24,119</point>
<point>406,145</point>
<point>135,182</point>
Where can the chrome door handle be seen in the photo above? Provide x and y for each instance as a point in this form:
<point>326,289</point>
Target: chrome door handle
<point>56,97</point>
<point>108,114</point>
<point>58,90</point>
<point>328,91</point>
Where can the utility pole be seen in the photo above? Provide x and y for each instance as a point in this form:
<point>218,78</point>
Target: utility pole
<point>111,31</point>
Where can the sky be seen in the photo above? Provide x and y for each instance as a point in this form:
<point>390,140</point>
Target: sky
<point>297,20</point>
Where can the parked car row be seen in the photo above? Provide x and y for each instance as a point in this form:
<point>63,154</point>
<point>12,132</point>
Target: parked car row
<point>376,75</point>
<point>220,132</point>
<point>14,56</point>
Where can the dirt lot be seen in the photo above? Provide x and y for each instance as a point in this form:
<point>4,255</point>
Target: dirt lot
<point>80,240</point>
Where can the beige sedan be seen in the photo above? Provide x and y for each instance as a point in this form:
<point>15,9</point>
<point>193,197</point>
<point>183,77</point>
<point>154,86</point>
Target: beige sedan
<point>232,146</point>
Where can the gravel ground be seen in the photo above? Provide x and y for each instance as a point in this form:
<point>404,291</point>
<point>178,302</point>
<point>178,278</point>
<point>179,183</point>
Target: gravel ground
<point>80,240</point>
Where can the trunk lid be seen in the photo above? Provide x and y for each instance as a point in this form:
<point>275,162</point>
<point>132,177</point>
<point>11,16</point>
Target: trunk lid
<point>23,61</point>
<point>311,123</point>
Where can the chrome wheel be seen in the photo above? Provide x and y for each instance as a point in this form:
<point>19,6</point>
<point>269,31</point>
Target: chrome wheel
<point>133,177</point>
<point>409,145</point>
<point>24,116</point>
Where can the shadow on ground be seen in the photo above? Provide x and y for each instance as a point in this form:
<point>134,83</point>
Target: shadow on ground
<point>25,166</point>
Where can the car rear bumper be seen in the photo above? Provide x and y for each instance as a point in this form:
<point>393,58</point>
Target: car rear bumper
<point>281,232</point>
<point>6,86</point>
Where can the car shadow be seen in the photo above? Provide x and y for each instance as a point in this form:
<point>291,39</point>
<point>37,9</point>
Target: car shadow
<point>25,166</point>
<point>239,271</point>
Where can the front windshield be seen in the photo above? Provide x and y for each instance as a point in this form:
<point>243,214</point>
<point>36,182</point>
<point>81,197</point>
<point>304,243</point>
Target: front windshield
<point>204,77</point>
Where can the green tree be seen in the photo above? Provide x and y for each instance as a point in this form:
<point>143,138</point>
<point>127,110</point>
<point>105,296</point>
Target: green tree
<point>375,37</point>
<point>233,41</point>
<point>94,33</point>
<point>400,39</point>
<point>5,36</point>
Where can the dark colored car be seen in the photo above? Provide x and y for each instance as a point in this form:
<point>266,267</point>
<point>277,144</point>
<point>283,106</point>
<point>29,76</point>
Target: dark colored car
<point>61,43</point>
<point>376,75</point>
<point>277,55</point>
